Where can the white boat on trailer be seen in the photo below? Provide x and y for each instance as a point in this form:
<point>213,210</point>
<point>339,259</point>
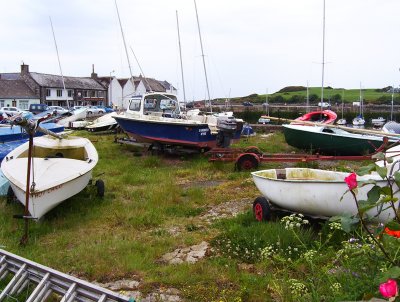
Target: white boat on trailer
<point>313,192</point>
<point>61,168</point>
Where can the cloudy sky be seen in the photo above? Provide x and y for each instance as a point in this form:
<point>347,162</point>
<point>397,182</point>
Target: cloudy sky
<point>250,46</point>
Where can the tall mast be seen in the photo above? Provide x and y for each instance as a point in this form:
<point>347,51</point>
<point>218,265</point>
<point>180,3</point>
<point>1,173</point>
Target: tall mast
<point>391,110</point>
<point>123,39</point>
<point>59,63</point>
<point>308,100</point>
<point>202,54</point>
<point>180,56</point>
<point>323,56</point>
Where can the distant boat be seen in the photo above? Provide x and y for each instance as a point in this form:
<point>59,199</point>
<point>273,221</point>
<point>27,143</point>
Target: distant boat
<point>359,120</point>
<point>342,121</point>
<point>380,121</point>
<point>319,116</point>
<point>103,123</point>
<point>331,140</point>
<point>391,127</point>
<point>156,119</point>
<point>61,168</point>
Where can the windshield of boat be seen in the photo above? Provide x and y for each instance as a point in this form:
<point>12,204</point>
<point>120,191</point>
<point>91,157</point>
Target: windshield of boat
<point>166,104</point>
<point>134,104</point>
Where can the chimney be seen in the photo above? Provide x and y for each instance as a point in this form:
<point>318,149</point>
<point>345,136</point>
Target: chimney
<point>24,69</point>
<point>93,75</point>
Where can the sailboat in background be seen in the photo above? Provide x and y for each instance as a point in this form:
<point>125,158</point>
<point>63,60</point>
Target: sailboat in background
<point>342,120</point>
<point>391,126</point>
<point>359,120</point>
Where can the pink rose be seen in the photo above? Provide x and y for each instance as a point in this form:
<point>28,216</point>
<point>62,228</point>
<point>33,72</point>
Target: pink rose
<point>351,181</point>
<point>389,288</point>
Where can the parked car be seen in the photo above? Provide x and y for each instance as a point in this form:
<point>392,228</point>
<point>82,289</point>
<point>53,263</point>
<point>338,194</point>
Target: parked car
<point>38,108</point>
<point>247,104</point>
<point>263,120</point>
<point>58,109</point>
<point>324,104</point>
<point>12,110</point>
<point>95,110</point>
<point>106,109</point>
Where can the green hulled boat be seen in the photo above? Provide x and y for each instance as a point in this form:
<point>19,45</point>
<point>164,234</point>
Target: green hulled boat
<point>332,141</point>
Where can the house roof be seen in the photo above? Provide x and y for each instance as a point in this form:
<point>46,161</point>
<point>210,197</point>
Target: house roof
<point>15,89</point>
<point>10,76</point>
<point>49,80</point>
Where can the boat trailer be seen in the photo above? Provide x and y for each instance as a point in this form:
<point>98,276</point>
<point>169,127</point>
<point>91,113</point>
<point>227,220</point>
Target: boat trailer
<point>250,158</point>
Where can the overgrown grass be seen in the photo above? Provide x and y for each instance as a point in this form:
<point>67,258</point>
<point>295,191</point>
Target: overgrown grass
<point>126,233</point>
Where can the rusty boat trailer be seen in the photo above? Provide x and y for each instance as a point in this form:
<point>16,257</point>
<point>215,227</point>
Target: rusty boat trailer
<point>250,158</point>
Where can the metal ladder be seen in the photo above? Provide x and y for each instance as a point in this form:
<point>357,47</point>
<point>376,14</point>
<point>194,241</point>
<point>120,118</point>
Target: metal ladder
<point>49,281</point>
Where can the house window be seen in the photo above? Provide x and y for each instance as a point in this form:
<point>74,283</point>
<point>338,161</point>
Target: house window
<point>48,92</point>
<point>2,103</point>
<point>23,104</point>
<point>100,94</point>
<point>92,94</point>
<point>85,94</point>
<point>59,92</point>
<point>69,93</point>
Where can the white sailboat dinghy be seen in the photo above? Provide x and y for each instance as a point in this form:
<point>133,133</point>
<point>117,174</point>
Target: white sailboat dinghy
<point>61,168</point>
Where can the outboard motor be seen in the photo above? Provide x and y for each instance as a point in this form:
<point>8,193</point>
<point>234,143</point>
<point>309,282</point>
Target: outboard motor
<point>227,127</point>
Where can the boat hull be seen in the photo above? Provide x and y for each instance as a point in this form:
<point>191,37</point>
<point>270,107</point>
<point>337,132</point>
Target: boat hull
<point>195,135</point>
<point>330,143</point>
<point>316,192</point>
<point>41,202</point>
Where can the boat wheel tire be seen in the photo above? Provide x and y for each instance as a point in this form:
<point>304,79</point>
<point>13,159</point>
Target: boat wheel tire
<point>11,195</point>
<point>247,162</point>
<point>262,209</point>
<point>253,149</point>
<point>100,187</point>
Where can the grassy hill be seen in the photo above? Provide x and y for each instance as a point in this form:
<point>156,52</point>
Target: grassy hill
<point>298,94</point>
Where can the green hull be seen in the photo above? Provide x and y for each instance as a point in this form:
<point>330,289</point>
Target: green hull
<point>331,144</point>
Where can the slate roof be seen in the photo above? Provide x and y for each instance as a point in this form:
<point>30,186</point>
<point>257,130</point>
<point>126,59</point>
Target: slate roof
<point>54,81</point>
<point>15,89</point>
<point>10,76</point>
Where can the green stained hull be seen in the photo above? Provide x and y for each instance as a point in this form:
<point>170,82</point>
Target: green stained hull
<point>331,144</point>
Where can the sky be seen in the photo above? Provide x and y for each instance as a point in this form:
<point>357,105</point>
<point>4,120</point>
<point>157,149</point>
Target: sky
<point>253,46</point>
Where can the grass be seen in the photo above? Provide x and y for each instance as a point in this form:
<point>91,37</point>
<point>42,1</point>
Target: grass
<point>125,234</point>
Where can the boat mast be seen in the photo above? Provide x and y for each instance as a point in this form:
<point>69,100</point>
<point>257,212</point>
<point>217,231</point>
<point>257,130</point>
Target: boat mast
<point>266,103</point>
<point>123,39</point>
<point>323,56</point>
<point>59,64</point>
<point>361,102</point>
<point>307,100</point>
<point>180,56</point>
<point>202,54</point>
<point>391,110</point>
<point>342,102</point>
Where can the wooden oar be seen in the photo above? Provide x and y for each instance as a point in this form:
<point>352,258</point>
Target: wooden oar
<point>349,129</point>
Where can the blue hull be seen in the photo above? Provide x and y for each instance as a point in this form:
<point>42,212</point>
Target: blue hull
<point>8,134</point>
<point>183,134</point>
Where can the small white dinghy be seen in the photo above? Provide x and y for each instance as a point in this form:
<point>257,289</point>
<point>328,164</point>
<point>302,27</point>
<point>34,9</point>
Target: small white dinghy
<point>313,192</point>
<point>60,169</point>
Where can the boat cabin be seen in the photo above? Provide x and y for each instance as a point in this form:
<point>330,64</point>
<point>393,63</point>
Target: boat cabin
<point>158,104</point>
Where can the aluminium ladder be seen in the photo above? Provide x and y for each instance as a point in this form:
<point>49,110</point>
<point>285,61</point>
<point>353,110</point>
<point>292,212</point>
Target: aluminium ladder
<point>49,281</point>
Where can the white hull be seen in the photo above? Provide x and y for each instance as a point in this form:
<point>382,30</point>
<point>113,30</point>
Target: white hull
<point>106,122</point>
<point>78,114</point>
<point>60,169</point>
<point>315,192</point>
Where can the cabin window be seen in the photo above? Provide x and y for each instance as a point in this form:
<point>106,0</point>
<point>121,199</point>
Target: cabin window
<point>165,104</point>
<point>134,105</point>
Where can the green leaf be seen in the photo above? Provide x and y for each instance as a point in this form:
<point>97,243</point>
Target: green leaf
<point>378,156</point>
<point>374,194</point>
<point>391,273</point>
<point>362,183</point>
<point>366,169</point>
<point>386,191</point>
<point>365,205</point>
<point>349,223</point>
<point>382,171</point>
<point>393,225</point>
<point>397,178</point>
<point>389,160</point>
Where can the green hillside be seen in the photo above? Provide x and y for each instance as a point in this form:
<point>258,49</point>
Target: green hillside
<point>298,94</point>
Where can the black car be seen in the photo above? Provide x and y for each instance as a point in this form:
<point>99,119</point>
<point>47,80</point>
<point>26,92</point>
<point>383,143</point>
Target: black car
<point>247,104</point>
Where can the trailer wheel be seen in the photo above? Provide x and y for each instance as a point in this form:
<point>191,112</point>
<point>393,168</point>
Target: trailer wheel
<point>261,209</point>
<point>253,149</point>
<point>247,162</point>
<point>100,187</point>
